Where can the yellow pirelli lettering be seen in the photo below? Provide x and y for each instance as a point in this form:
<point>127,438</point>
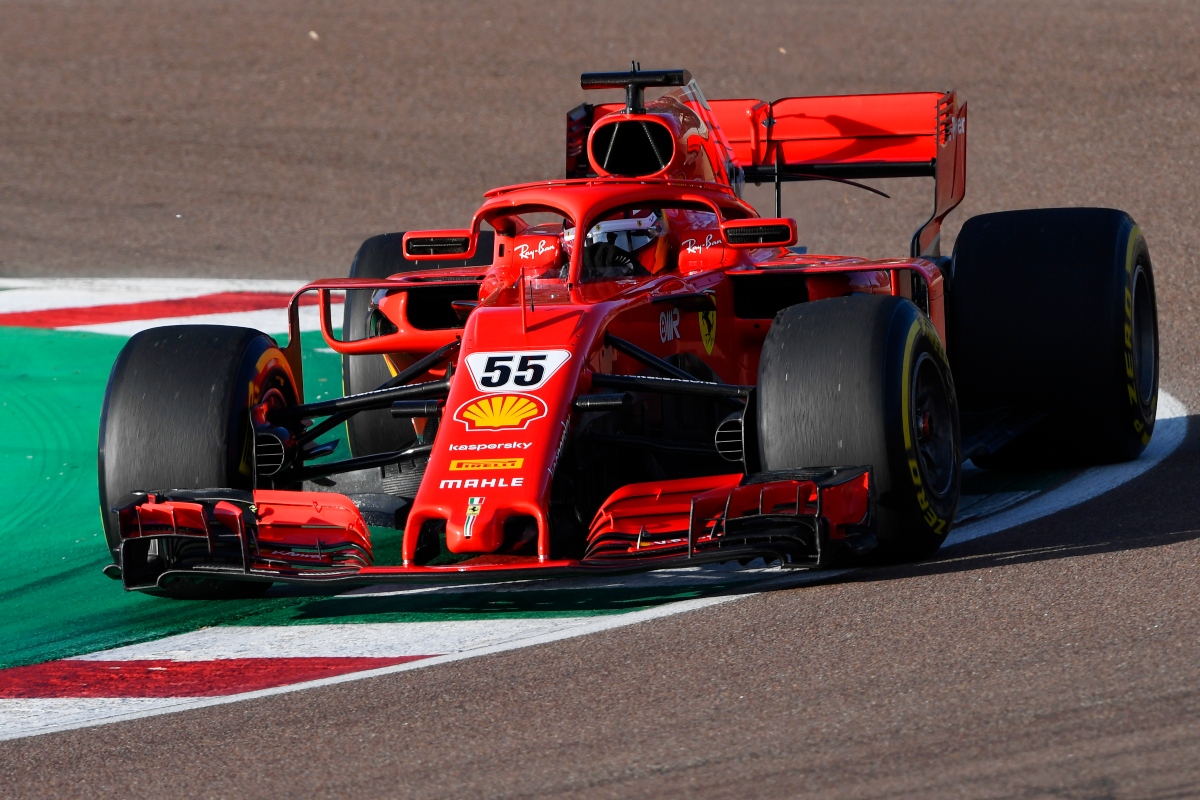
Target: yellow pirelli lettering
<point>934,339</point>
<point>1134,234</point>
<point>906,421</point>
<point>474,464</point>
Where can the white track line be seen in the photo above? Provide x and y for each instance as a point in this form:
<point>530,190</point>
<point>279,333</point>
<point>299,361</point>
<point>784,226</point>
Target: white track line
<point>270,320</point>
<point>21,718</point>
<point>360,640</point>
<point>17,294</point>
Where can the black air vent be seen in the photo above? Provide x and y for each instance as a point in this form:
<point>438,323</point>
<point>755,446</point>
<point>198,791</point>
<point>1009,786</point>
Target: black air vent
<point>728,438</point>
<point>633,148</point>
<point>759,234</point>
<point>763,296</point>
<point>431,308</point>
<point>437,245</point>
<point>268,453</point>
<point>446,278</point>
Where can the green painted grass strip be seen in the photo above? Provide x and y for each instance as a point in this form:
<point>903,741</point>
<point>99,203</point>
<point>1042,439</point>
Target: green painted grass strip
<point>54,601</point>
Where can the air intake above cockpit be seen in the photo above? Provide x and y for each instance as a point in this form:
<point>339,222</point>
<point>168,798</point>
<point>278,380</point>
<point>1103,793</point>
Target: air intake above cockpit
<point>632,147</point>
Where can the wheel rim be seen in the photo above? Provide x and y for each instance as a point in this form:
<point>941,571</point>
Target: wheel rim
<point>933,426</point>
<point>1144,355</point>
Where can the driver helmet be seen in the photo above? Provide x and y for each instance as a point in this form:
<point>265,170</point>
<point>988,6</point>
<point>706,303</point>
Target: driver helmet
<point>639,236</point>
<point>631,235</point>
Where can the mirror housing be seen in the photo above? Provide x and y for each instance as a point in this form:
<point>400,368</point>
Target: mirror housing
<point>747,234</point>
<point>445,245</point>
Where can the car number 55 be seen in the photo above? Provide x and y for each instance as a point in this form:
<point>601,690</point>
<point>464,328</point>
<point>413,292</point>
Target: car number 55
<point>520,370</point>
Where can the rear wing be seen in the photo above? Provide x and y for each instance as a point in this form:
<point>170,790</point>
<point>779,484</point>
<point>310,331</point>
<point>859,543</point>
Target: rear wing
<point>915,134</point>
<point>855,136</point>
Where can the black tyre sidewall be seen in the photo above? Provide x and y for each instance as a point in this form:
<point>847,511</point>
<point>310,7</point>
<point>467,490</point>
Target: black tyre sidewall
<point>1040,314</point>
<point>1134,415</point>
<point>832,389</point>
<point>913,519</point>
<point>175,413</point>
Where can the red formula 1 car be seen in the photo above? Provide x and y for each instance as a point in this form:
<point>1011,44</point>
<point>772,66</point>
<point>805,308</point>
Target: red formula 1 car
<point>631,369</point>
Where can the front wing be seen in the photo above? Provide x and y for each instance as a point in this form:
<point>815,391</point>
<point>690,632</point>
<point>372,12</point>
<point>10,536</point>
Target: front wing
<point>800,518</point>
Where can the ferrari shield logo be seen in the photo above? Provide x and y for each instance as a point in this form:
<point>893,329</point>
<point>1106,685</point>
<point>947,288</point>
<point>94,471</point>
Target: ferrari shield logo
<point>473,504</point>
<point>708,330</point>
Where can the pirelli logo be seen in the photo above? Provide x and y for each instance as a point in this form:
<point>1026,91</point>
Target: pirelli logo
<point>477,464</point>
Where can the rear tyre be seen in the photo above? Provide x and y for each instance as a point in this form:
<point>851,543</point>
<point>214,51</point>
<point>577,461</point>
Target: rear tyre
<point>380,257</point>
<point>372,432</point>
<point>175,416</point>
<point>863,381</point>
<point>1054,310</point>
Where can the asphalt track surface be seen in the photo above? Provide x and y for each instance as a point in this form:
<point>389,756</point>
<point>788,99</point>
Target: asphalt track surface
<point>1056,659</point>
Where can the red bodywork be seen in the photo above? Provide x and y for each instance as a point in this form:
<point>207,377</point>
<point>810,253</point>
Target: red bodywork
<point>496,450</point>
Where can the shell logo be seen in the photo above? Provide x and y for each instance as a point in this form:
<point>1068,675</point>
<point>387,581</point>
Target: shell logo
<point>500,412</point>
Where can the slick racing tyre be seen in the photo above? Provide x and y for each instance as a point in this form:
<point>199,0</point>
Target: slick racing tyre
<point>176,416</point>
<point>863,381</point>
<point>380,257</point>
<point>1052,311</point>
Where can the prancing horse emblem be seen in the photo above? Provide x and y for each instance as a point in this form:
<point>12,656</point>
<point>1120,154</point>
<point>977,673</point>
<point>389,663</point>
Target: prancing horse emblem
<point>708,330</point>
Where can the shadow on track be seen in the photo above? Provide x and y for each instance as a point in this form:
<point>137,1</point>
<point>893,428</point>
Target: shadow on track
<point>1159,508</point>
<point>1156,509</point>
<point>530,601</point>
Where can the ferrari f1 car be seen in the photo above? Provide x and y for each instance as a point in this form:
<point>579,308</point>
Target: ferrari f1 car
<point>631,369</point>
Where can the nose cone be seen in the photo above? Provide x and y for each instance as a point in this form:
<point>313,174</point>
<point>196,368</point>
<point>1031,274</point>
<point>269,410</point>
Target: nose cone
<point>475,522</point>
<point>504,424</point>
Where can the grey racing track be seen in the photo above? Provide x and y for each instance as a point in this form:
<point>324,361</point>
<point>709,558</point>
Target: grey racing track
<point>1057,659</point>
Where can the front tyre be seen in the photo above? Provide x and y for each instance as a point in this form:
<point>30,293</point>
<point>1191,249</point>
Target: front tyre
<point>863,380</point>
<point>176,416</point>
